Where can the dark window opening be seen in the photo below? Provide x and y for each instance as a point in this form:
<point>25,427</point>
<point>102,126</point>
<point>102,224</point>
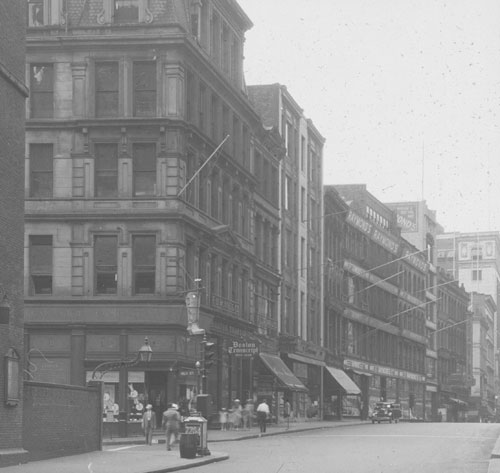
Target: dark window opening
<point>126,11</point>
<point>41,170</point>
<point>144,169</point>
<point>144,89</point>
<point>40,260</point>
<point>144,268</point>
<point>42,90</point>
<point>106,89</point>
<point>106,170</point>
<point>105,257</point>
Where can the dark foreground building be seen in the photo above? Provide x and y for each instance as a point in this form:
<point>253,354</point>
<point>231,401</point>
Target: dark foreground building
<point>12,110</point>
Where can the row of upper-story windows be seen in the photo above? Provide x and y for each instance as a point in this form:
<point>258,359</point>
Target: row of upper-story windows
<point>109,274</point>
<point>208,26</point>
<point>107,172</point>
<point>53,12</point>
<point>107,86</point>
<point>105,274</point>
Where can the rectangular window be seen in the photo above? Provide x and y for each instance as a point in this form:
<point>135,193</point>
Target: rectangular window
<point>477,275</point>
<point>144,268</point>
<point>126,11</point>
<point>35,13</point>
<point>41,170</point>
<point>106,170</point>
<point>144,169</point>
<point>106,89</point>
<point>202,105</point>
<point>42,90</point>
<point>214,116</point>
<point>40,261</point>
<point>105,264</point>
<point>144,89</point>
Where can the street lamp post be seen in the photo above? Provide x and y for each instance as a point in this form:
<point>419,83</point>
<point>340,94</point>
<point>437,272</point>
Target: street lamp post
<point>197,365</point>
<point>144,354</point>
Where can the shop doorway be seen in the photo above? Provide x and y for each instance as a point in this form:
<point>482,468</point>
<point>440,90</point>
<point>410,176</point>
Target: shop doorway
<point>156,386</point>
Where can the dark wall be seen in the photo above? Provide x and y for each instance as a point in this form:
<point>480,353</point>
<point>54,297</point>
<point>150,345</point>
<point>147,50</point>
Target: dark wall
<point>12,114</point>
<point>61,420</point>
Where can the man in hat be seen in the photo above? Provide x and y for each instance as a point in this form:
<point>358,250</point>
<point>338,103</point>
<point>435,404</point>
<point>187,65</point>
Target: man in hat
<point>170,423</point>
<point>149,424</point>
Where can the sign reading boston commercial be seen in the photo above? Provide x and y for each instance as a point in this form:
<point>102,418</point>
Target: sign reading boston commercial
<point>238,348</point>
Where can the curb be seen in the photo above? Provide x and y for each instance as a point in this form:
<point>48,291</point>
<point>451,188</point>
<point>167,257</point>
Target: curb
<point>283,432</point>
<point>186,466</point>
<point>496,449</point>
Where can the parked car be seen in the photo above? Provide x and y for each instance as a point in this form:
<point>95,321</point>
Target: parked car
<point>386,412</point>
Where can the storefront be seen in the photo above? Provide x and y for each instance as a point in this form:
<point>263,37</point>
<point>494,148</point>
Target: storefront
<point>390,384</point>
<point>275,382</point>
<point>342,395</point>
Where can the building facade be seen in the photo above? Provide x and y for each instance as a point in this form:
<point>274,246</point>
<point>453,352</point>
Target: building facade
<point>13,93</point>
<point>474,260</point>
<point>453,328</point>
<point>419,226</point>
<point>382,331</point>
<point>483,398</point>
<point>300,301</point>
<point>148,176</point>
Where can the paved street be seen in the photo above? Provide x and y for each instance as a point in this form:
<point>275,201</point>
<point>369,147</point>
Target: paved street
<point>385,448</point>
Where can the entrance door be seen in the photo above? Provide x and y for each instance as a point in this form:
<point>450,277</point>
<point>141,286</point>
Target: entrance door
<point>156,385</point>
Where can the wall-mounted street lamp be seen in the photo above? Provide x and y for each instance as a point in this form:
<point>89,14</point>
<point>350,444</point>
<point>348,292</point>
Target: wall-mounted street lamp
<point>143,355</point>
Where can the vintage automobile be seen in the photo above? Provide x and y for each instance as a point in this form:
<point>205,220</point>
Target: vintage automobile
<point>386,412</point>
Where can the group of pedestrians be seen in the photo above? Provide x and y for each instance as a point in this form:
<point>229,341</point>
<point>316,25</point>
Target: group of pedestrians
<point>170,423</point>
<point>238,416</point>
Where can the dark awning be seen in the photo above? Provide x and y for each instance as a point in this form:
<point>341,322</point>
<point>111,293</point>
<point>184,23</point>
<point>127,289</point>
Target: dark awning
<point>347,384</point>
<point>282,372</point>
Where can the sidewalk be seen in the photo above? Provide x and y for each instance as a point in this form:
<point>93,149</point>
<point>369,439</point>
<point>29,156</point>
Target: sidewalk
<point>242,434</point>
<point>132,456</point>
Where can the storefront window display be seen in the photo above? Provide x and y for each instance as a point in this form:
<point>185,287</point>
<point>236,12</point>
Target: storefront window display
<point>137,398</point>
<point>110,396</point>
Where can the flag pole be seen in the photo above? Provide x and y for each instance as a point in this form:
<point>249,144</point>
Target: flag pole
<point>202,166</point>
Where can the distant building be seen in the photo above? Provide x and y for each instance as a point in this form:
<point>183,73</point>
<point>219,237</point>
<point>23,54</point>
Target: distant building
<point>383,326</point>
<point>12,114</point>
<point>473,258</point>
<point>483,399</point>
<point>454,371</point>
<point>419,226</point>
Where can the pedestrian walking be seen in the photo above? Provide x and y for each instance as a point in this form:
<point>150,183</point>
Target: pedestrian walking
<point>149,424</point>
<point>223,415</point>
<point>236,414</point>
<point>170,423</point>
<point>287,410</point>
<point>262,415</point>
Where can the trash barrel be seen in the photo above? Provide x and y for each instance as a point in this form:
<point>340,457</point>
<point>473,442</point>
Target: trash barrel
<point>188,445</point>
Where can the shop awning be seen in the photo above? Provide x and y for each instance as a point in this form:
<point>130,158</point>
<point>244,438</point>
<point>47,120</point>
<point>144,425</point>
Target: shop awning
<point>305,359</point>
<point>457,401</point>
<point>282,372</point>
<point>347,384</point>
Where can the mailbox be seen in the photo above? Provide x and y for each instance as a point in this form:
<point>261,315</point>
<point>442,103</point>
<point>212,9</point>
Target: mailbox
<point>198,425</point>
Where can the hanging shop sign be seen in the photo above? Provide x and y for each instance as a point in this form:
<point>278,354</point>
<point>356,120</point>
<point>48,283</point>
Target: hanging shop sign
<point>243,349</point>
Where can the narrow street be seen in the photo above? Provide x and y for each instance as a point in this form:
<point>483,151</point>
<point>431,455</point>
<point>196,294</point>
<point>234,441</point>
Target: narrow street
<point>384,448</point>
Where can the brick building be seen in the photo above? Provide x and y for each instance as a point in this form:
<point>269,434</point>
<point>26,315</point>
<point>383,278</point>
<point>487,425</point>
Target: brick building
<point>12,114</point>
<point>129,101</point>
<point>300,299</point>
<point>381,334</point>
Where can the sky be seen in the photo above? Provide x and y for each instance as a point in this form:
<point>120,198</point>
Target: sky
<point>405,92</point>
